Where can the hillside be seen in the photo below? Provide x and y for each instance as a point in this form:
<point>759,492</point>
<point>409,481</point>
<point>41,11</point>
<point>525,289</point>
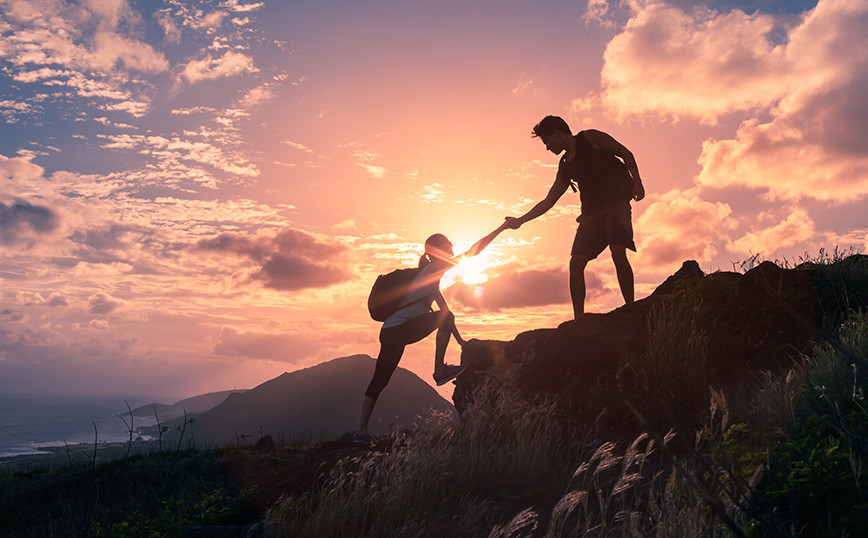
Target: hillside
<point>315,403</point>
<point>191,406</point>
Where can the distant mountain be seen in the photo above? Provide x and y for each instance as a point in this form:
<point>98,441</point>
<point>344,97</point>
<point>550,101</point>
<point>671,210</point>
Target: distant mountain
<point>320,402</point>
<point>192,406</point>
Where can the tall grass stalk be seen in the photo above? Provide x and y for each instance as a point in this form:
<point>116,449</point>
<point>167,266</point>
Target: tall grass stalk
<point>450,474</point>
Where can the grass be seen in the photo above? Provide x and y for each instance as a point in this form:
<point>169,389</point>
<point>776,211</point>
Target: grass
<point>449,475</point>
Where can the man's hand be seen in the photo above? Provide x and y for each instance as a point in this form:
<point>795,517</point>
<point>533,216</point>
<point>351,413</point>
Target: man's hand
<point>638,191</point>
<point>512,223</point>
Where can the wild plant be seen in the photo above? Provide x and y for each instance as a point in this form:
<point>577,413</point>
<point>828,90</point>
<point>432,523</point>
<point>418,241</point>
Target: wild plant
<point>160,430</point>
<point>130,426</point>
<point>675,367</point>
<point>815,482</point>
<point>183,428</point>
<point>606,491</point>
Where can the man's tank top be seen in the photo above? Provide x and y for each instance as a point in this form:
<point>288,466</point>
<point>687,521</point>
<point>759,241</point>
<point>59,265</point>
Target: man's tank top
<point>602,177</point>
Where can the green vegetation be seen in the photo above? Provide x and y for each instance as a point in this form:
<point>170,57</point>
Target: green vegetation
<point>787,459</point>
<point>162,494</point>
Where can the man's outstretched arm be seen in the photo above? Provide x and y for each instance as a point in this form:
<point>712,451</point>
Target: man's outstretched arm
<point>555,192</point>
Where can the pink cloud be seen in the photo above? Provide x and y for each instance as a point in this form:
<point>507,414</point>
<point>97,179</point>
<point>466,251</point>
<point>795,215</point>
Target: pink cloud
<point>261,345</point>
<point>807,74</point>
<point>19,170</point>
<point>795,228</point>
<point>518,287</point>
<point>103,303</point>
<point>681,226</point>
<point>701,64</point>
<point>291,260</point>
<point>211,68</point>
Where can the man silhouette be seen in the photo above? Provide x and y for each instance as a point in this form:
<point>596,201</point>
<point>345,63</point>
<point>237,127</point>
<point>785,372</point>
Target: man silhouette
<point>607,178</point>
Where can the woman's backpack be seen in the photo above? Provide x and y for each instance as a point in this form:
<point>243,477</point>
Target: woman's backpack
<point>389,290</point>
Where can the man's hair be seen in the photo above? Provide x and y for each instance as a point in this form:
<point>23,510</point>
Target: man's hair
<point>550,124</point>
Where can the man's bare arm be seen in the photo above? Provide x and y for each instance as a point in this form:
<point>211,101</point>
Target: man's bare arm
<point>558,188</point>
<point>604,141</point>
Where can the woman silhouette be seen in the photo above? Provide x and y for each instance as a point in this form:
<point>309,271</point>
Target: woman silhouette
<point>415,320</point>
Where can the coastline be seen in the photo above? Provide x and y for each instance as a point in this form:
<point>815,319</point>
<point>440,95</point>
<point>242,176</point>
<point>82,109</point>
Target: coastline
<point>78,454</point>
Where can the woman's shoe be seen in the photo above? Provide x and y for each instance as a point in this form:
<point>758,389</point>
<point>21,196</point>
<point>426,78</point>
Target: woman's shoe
<point>448,373</point>
<point>362,439</point>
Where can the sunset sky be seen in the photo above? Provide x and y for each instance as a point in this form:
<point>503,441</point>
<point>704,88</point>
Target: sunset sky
<point>197,195</point>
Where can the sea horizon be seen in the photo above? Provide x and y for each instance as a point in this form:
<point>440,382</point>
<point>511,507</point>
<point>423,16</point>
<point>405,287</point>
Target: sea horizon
<point>33,422</point>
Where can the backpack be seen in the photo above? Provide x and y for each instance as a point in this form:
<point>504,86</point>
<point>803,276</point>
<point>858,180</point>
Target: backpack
<point>388,292</point>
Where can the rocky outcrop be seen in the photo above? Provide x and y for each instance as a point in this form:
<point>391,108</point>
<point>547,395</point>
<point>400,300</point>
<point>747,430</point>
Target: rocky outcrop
<point>761,320</point>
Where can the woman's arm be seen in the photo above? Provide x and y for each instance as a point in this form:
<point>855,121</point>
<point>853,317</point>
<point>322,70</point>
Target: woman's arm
<point>477,247</point>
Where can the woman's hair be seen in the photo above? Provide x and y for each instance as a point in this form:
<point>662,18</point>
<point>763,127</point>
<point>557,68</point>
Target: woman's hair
<point>436,241</point>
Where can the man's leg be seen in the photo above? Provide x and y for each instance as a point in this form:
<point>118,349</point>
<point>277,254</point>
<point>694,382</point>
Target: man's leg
<point>624,272</point>
<point>577,283</point>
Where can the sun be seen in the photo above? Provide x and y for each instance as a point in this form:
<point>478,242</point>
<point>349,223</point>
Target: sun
<point>468,271</point>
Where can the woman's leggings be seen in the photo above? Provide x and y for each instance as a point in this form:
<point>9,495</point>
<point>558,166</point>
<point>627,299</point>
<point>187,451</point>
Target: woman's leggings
<point>393,340</point>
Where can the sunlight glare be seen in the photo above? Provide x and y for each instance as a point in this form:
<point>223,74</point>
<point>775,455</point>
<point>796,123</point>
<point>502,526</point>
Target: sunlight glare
<point>468,270</point>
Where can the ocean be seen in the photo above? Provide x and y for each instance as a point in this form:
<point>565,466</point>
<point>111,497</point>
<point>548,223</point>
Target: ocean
<point>31,422</point>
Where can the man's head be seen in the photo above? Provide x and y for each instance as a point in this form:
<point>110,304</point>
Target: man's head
<point>554,132</point>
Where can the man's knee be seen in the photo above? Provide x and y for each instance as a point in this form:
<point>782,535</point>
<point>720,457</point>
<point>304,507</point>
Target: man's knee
<point>619,254</point>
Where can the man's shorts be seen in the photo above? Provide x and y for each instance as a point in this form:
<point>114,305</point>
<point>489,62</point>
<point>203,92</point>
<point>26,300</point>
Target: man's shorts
<point>594,235</point>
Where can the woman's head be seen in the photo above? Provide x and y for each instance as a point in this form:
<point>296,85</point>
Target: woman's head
<point>437,247</point>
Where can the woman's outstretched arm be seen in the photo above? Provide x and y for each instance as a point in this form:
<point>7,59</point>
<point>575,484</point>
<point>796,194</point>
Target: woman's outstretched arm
<point>478,247</point>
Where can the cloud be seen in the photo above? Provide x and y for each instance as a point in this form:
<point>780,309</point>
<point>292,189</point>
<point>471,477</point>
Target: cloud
<point>257,96</point>
<point>261,345</point>
<point>348,224</point>
<point>103,303</point>
<point>598,11</point>
<point>794,229</point>
<point>26,298</point>
<point>22,221</point>
<point>802,78</point>
<point>84,36</point>
<point>171,152</point>
<point>701,64</point>
<point>366,159</point>
<point>170,29</point>
<point>84,46</point>
<point>238,7</point>
<point>19,170</point>
<point>517,287</point>
<point>680,226</point>
<point>211,68</point>
<point>289,261</point>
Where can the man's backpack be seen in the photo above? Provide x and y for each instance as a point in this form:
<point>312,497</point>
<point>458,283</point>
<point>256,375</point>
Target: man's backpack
<point>388,291</point>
